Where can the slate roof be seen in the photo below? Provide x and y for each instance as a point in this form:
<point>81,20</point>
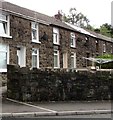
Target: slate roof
<point>33,15</point>
<point>91,33</point>
<point>100,36</point>
<point>81,30</point>
<point>41,18</point>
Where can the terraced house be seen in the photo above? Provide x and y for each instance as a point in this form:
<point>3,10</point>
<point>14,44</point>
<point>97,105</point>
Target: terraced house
<point>32,39</point>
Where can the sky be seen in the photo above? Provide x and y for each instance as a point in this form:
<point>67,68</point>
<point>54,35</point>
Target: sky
<point>97,11</point>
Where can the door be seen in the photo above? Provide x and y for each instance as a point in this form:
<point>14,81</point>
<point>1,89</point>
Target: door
<point>65,60</point>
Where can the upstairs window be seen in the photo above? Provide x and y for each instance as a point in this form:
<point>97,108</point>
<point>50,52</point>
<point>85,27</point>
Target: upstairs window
<point>86,41</point>
<point>72,42</point>
<point>97,46</point>
<point>35,32</point>
<point>4,25</point>
<point>104,47</point>
<point>111,49</point>
<point>56,36</point>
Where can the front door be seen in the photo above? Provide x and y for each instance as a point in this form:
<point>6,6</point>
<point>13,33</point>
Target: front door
<point>65,60</point>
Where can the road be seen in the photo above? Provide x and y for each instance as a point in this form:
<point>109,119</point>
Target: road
<point>56,109</point>
<point>72,117</point>
<point>80,116</point>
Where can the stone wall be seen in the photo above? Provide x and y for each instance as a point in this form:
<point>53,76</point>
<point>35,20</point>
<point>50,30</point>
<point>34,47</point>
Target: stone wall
<point>58,85</point>
<point>3,79</point>
<point>20,29</point>
<point>86,47</point>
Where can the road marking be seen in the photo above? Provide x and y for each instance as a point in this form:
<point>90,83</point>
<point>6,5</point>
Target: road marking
<point>42,108</point>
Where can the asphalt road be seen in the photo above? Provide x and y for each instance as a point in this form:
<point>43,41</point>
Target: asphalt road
<point>9,106</point>
<point>72,117</point>
<point>76,106</point>
<point>80,116</point>
<point>63,109</point>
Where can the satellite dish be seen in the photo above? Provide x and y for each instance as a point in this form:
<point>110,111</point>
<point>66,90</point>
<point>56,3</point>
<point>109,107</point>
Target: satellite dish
<point>44,37</point>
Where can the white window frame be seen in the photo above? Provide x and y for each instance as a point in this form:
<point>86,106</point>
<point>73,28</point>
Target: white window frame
<point>7,57</point>
<point>58,60</point>
<point>56,36</point>
<point>65,60</point>
<point>111,49</point>
<point>104,47</point>
<point>37,32</point>
<point>7,25</point>
<point>21,53</point>
<point>72,40</point>
<point>35,54</point>
<point>73,55</point>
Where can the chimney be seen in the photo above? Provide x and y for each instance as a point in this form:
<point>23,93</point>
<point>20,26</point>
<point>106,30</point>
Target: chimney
<point>58,16</point>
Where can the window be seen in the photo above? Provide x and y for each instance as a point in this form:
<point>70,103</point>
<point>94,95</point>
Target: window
<point>35,32</point>
<point>56,36</point>
<point>97,46</point>
<point>111,49</point>
<point>35,58</point>
<point>86,41</point>
<point>21,56</point>
<point>4,26</point>
<point>73,60</point>
<point>56,59</point>
<point>104,47</point>
<point>73,40</point>
<point>4,58</point>
<point>65,60</point>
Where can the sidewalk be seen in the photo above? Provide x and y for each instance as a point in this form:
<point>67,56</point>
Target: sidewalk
<point>14,108</point>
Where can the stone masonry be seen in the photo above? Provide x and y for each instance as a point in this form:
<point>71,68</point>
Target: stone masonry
<point>58,85</point>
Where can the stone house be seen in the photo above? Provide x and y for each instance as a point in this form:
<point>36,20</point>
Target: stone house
<point>90,44</point>
<point>32,39</point>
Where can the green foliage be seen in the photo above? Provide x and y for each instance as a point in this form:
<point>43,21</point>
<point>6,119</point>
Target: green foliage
<point>106,56</point>
<point>106,29</point>
<point>106,65</point>
<point>81,20</point>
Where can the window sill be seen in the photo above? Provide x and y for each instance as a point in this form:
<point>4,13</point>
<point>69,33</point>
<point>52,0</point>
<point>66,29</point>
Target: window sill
<point>3,70</point>
<point>5,36</point>
<point>34,41</point>
<point>56,67</point>
<point>56,43</point>
<point>73,47</point>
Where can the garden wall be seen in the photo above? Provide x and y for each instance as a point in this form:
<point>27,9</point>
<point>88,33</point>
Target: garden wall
<point>3,79</point>
<point>58,85</point>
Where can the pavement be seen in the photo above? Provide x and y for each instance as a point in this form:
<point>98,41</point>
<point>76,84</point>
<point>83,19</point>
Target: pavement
<point>13,108</point>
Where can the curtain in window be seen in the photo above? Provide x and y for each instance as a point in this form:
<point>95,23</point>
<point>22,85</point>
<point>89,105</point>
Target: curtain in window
<point>34,60</point>
<point>3,27</point>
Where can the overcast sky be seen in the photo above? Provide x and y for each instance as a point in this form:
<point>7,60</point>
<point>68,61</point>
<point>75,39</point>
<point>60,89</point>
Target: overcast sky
<point>97,11</point>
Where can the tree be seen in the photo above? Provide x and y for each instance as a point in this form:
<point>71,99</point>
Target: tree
<point>106,29</point>
<point>76,18</point>
<point>106,56</point>
<point>79,19</point>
